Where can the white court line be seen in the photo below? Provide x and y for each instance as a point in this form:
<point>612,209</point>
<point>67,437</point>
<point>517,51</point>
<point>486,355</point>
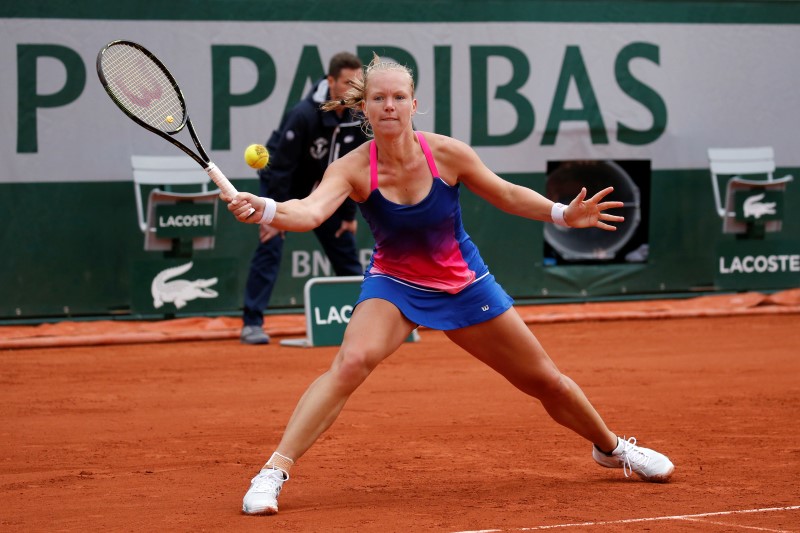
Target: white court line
<point>726,524</point>
<point>652,519</point>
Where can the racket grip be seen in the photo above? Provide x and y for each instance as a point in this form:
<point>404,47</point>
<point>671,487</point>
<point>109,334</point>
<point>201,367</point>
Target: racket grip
<point>220,180</point>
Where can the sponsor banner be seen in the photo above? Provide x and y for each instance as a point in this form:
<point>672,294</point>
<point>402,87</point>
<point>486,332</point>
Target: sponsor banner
<point>185,286</point>
<point>522,93</point>
<point>184,219</point>
<point>752,264</point>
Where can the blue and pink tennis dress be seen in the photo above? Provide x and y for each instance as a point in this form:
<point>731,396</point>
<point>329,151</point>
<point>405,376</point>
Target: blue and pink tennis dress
<point>423,261</point>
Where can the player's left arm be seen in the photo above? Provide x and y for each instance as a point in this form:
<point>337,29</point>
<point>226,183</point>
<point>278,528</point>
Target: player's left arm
<point>523,201</point>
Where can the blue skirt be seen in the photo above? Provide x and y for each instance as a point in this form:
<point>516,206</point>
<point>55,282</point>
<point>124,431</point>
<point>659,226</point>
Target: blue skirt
<point>483,300</point>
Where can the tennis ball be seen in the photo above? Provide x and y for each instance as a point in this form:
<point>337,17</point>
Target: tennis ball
<point>256,156</point>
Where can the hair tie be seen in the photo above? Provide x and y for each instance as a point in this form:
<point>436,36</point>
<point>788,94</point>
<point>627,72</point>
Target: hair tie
<point>342,102</point>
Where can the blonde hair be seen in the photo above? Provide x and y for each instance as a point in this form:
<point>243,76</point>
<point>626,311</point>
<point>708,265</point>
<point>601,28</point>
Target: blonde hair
<point>357,93</point>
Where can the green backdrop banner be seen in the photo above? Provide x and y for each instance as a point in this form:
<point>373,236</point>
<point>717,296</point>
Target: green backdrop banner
<point>750,264</point>
<point>77,267</point>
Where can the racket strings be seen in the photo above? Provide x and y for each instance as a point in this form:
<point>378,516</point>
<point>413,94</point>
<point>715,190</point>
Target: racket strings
<point>142,88</point>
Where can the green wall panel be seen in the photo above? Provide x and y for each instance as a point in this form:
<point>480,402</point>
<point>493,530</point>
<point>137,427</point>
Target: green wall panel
<point>709,11</point>
<point>75,257</point>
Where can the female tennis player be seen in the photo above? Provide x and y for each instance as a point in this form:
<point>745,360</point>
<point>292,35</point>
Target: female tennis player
<point>425,270</point>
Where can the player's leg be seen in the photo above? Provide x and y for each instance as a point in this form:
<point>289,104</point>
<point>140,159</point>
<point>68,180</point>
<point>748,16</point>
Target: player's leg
<point>376,329</point>
<point>507,345</point>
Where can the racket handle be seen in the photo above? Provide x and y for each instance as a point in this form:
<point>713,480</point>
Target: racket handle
<point>220,180</point>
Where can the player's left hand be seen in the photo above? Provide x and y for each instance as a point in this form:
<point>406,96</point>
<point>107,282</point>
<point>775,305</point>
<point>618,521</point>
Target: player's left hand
<point>582,213</point>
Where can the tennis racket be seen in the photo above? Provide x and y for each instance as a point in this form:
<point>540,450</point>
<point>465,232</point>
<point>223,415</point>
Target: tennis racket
<point>145,90</point>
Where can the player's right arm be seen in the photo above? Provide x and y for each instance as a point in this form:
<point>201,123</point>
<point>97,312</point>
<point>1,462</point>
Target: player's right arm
<point>306,213</point>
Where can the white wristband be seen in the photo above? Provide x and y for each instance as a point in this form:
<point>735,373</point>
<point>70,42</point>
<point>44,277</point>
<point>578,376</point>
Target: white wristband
<point>557,214</point>
<point>270,207</point>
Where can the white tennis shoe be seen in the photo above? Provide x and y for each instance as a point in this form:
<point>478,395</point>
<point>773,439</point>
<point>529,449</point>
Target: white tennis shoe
<point>262,497</point>
<point>646,463</point>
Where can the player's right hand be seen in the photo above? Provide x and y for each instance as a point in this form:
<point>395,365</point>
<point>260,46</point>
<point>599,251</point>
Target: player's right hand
<point>246,207</point>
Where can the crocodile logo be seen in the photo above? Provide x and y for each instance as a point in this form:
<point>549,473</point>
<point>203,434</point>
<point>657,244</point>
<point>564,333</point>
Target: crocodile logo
<point>179,291</point>
<point>754,207</point>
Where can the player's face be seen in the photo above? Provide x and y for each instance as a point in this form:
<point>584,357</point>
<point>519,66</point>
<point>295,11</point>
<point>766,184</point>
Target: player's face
<point>339,86</point>
<point>389,103</point>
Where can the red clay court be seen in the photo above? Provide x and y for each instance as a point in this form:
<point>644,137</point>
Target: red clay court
<point>105,429</point>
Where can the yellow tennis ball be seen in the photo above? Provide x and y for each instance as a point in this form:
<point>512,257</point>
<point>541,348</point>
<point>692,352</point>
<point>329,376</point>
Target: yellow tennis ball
<point>256,156</point>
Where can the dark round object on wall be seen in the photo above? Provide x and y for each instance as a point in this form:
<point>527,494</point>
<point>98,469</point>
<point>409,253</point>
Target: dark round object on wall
<point>564,184</point>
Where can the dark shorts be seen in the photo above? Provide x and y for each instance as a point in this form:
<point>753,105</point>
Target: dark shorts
<point>483,300</point>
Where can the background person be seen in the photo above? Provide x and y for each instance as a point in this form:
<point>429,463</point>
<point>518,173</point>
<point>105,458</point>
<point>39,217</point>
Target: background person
<point>306,142</point>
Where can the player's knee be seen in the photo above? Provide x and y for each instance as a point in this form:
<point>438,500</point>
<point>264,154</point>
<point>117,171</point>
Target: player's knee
<point>352,367</point>
<point>545,385</point>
